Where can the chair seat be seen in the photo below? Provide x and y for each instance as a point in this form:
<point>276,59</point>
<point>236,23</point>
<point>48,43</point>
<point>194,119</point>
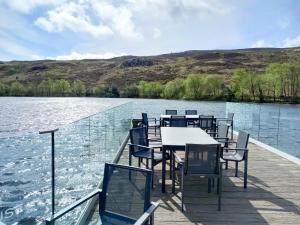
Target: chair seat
<point>155,144</point>
<point>232,156</point>
<point>147,155</point>
<point>106,220</point>
<point>153,124</point>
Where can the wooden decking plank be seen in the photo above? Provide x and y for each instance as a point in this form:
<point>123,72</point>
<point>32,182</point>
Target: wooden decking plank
<point>272,196</point>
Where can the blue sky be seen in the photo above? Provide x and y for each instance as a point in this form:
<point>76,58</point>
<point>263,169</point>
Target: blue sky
<point>64,29</point>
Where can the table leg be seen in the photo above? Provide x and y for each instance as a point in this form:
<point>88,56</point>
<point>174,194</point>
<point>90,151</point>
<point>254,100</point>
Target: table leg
<point>163,171</point>
<point>173,171</point>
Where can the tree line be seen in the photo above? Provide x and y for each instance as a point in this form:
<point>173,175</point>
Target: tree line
<point>279,83</point>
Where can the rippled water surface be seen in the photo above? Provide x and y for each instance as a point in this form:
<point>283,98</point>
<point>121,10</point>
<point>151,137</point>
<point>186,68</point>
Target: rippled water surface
<point>23,115</point>
<point>90,132</point>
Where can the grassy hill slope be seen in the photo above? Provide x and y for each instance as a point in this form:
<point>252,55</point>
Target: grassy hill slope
<point>122,71</point>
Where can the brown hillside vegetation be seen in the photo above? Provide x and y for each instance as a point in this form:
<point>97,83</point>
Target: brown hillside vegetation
<point>126,70</point>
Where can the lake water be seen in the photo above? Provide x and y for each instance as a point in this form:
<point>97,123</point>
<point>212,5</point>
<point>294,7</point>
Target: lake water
<point>84,143</point>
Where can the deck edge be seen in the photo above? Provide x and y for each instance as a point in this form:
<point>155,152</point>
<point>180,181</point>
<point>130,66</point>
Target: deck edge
<point>273,150</point>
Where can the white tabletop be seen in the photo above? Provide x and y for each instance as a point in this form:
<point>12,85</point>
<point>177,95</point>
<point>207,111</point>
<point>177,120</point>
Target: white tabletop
<point>186,116</point>
<point>180,136</point>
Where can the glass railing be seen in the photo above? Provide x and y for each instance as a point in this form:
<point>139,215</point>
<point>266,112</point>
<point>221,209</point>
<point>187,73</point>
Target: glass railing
<point>274,124</point>
<point>81,149</point>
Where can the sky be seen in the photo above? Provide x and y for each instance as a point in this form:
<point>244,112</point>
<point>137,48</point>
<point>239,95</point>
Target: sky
<point>78,29</point>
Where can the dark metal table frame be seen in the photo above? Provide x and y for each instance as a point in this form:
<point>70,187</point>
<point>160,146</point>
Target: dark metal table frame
<point>206,139</point>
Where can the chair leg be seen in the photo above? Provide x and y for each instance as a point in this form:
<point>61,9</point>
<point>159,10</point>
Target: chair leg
<point>152,219</point>
<point>152,169</point>
<point>232,131</point>
<point>139,162</point>
<point>220,192</point>
<point>209,185</point>
<point>236,168</point>
<point>245,169</point>
<point>171,162</point>
<point>182,191</point>
<point>147,163</point>
<point>173,175</point>
<point>130,160</point>
<point>226,165</point>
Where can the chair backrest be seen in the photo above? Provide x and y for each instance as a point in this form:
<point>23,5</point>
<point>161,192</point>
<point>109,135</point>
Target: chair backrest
<point>207,122</point>
<point>230,116</point>
<point>223,130</point>
<point>242,141</point>
<point>126,193</point>
<point>138,136</point>
<point>145,119</point>
<point>202,159</point>
<point>171,112</point>
<point>178,121</point>
<point>191,112</point>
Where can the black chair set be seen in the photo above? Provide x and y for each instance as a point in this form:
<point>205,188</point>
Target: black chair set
<point>204,160</point>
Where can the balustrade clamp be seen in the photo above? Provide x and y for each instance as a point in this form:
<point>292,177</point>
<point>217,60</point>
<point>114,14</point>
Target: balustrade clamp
<point>52,165</point>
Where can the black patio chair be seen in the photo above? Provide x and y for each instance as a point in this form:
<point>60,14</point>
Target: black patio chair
<point>171,112</point>
<point>150,123</point>
<point>221,135</point>
<point>178,121</point>
<point>201,161</point>
<point>124,199</point>
<point>139,148</point>
<point>238,153</point>
<point>207,123</point>
<point>229,121</point>
<point>191,112</point>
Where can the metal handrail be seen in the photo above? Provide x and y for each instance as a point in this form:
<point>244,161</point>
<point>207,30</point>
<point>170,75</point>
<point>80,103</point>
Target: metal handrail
<point>69,208</point>
<point>92,202</point>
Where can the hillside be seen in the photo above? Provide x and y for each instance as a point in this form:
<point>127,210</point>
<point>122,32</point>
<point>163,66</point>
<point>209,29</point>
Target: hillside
<point>127,70</point>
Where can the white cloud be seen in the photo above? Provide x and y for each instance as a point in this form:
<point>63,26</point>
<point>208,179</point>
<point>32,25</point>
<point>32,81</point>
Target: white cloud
<point>261,44</point>
<point>78,56</point>
<point>71,16</point>
<point>119,18</point>
<point>291,42</point>
<point>25,6</point>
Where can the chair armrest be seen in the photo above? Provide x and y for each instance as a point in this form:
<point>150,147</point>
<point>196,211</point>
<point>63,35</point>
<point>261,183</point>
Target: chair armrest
<point>140,146</point>
<point>177,158</point>
<point>223,119</point>
<point>220,139</point>
<point>146,215</point>
<point>154,139</point>
<point>236,149</point>
<point>69,208</point>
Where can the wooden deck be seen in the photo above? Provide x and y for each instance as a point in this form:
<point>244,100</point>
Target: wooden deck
<point>272,196</point>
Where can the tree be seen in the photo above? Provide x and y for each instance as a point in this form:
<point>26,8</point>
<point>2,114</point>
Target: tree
<point>240,84</point>
<point>194,87</point>
<point>4,89</point>
<point>78,88</point>
<point>131,91</point>
<point>214,85</point>
<point>17,89</point>
<point>150,89</point>
<point>61,88</point>
<point>45,88</point>
<point>174,89</point>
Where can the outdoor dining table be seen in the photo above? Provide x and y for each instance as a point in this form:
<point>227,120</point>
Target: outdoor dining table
<point>175,139</point>
<point>164,118</point>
